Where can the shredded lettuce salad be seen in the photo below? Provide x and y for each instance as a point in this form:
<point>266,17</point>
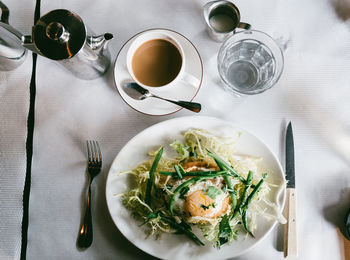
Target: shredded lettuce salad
<point>232,188</point>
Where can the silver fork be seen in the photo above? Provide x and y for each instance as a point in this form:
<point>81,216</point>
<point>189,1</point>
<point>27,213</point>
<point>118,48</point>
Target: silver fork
<point>94,167</point>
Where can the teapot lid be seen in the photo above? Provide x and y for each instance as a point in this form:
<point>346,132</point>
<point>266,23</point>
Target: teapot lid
<point>59,34</point>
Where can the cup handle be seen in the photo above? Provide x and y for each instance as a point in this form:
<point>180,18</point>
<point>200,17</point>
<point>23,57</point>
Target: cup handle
<point>188,79</point>
<point>244,26</point>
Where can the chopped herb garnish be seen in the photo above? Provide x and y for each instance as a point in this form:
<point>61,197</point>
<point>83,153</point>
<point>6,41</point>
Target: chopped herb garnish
<point>205,207</point>
<point>224,231</point>
<point>181,150</point>
<point>212,192</point>
<point>193,153</point>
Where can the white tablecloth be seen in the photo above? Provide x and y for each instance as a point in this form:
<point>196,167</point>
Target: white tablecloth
<point>313,93</point>
<point>14,104</point>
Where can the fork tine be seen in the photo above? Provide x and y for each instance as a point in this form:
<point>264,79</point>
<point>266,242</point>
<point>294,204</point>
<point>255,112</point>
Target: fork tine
<point>88,150</point>
<point>99,153</point>
<point>93,149</point>
<point>95,152</point>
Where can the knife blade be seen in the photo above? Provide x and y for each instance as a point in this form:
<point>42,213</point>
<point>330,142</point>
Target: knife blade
<point>347,225</point>
<point>290,230</point>
<point>290,170</point>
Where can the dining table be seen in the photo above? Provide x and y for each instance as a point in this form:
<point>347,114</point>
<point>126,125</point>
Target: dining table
<point>47,114</point>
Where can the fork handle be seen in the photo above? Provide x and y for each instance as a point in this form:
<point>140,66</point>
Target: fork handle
<point>85,233</point>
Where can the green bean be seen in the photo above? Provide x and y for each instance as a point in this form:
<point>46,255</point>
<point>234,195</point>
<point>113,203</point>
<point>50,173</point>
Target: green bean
<point>242,208</point>
<point>256,189</point>
<point>173,174</point>
<point>213,175</point>
<point>234,200</point>
<point>235,214</point>
<point>177,192</point>
<point>247,188</point>
<point>177,171</point>
<point>225,166</point>
<point>182,170</point>
<point>151,177</point>
<point>195,173</point>
<point>232,192</point>
<point>184,228</point>
<point>244,195</point>
<point>245,222</point>
<point>187,232</point>
<point>246,204</point>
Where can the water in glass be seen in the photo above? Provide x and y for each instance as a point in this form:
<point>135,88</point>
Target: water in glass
<point>247,66</point>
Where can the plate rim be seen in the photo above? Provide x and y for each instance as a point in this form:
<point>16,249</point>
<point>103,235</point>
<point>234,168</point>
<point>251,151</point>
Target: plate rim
<point>151,29</point>
<point>282,192</point>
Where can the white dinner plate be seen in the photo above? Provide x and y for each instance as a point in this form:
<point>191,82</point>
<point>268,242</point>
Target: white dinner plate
<point>182,91</point>
<point>170,246</point>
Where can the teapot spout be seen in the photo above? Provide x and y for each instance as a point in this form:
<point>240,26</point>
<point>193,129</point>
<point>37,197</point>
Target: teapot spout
<point>99,43</point>
<point>28,44</point>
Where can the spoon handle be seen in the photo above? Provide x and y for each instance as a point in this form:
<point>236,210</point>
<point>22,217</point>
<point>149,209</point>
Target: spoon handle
<point>195,107</point>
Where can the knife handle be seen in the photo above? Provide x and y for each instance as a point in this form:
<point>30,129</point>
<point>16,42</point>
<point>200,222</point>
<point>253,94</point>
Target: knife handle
<point>344,243</point>
<point>290,229</point>
<point>346,249</point>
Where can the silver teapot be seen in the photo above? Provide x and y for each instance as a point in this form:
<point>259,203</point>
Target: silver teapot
<point>12,53</point>
<point>59,35</point>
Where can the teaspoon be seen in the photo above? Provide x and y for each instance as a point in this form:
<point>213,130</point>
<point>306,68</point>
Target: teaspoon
<point>135,91</point>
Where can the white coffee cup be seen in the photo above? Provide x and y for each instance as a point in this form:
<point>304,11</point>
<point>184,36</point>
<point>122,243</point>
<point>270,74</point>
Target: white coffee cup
<point>182,75</point>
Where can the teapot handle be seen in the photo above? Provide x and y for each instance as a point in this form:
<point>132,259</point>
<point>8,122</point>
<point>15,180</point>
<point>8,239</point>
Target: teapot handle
<point>5,13</point>
<point>4,19</point>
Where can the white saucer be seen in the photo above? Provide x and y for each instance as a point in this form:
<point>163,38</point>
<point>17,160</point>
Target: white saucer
<point>153,106</point>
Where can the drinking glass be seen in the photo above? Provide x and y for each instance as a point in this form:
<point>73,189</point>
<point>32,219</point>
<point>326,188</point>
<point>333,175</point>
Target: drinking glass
<point>250,62</point>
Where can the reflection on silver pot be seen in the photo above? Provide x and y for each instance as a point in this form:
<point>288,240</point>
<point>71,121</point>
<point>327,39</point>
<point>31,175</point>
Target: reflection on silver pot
<point>61,35</point>
<point>12,53</point>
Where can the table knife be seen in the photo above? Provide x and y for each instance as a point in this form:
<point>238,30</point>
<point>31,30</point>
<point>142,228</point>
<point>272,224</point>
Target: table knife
<point>290,230</point>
